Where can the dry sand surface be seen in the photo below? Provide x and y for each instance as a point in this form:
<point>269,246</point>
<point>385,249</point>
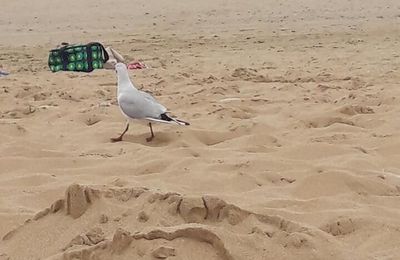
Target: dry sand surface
<point>292,152</point>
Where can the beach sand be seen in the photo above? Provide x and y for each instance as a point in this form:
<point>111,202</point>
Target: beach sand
<point>292,151</point>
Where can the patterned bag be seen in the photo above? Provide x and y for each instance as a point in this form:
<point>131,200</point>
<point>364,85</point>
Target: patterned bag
<point>78,57</point>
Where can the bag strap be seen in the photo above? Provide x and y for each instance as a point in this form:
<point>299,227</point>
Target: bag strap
<point>67,45</point>
<point>63,46</point>
<point>64,55</point>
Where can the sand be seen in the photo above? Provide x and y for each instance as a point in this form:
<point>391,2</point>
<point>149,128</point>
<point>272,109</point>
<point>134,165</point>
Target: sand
<point>292,152</point>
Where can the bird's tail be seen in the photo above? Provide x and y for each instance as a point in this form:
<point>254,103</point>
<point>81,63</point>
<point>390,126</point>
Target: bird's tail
<point>167,118</point>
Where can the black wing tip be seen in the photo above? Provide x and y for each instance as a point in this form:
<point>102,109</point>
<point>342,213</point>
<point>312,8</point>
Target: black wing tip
<point>165,117</point>
<point>186,123</point>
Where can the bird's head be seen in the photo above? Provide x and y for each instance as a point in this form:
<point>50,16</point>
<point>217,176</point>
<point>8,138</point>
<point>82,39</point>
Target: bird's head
<point>120,67</point>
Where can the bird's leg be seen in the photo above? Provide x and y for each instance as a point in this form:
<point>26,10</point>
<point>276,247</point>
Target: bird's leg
<point>119,138</point>
<point>148,139</point>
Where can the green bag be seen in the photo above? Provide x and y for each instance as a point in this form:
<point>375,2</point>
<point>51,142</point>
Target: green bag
<point>84,58</point>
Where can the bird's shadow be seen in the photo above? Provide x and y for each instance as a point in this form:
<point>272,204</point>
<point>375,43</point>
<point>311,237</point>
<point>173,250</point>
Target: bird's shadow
<point>159,140</point>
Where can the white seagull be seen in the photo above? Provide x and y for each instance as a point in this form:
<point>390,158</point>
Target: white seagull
<point>139,105</point>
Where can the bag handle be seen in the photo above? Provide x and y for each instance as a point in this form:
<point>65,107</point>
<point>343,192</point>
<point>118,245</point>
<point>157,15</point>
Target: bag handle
<point>106,57</point>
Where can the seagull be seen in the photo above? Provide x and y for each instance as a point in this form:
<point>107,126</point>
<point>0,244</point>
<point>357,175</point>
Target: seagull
<point>138,105</point>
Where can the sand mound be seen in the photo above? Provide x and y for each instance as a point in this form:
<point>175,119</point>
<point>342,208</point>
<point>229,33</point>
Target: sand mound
<point>136,222</point>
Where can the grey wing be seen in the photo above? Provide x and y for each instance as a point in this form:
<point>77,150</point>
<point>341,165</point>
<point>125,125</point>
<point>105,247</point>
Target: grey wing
<point>148,96</point>
<point>140,106</point>
<point>152,100</point>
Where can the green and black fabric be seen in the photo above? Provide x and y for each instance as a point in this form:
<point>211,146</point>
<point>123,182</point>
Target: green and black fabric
<point>84,58</point>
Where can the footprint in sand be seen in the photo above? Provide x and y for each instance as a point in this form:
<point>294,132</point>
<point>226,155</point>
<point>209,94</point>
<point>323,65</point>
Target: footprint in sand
<point>352,110</point>
<point>322,122</point>
<point>340,226</point>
